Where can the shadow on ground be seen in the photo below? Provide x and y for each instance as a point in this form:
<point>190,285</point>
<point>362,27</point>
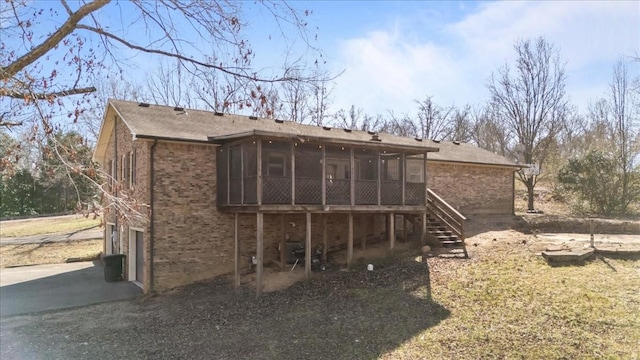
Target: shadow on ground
<point>336,315</point>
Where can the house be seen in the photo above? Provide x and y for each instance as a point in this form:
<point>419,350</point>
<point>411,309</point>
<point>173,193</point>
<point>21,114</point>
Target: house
<point>218,190</point>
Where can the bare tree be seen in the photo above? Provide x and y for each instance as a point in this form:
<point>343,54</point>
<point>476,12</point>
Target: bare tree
<point>321,89</point>
<point>531,102</point>
<point>356,119</point>
<point>47,68</point>
<point>296,97</point>
<point>488,133</point>
<point>433,122</point>
<point>28,76</point>
<point>117,87</point>
<point>625,136</point>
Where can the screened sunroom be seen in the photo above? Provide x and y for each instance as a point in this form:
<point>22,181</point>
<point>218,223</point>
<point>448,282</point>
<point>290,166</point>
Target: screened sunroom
<point>289,173</point>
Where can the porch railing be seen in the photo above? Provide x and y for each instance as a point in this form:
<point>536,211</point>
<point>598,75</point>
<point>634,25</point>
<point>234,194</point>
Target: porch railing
<point>445,213</point>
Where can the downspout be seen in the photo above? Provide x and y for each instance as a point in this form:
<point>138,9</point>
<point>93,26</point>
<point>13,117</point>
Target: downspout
<point>115,174</point>
<point>152,181</point>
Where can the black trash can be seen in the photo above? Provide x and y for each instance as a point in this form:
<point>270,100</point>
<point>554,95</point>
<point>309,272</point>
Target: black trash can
<point>113,267</point>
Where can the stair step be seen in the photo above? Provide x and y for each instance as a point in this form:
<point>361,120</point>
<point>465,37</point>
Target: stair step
<point>436,229</point>
<point>441,232</point>
<point>451,243</point>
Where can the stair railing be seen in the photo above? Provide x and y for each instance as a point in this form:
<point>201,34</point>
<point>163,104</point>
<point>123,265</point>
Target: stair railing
<point>444,212</point>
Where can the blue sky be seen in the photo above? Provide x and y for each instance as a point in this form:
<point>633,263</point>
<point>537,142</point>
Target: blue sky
<point>395,52</point>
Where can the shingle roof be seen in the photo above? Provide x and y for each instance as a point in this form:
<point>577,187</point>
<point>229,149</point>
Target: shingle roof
<point>166,122</point>
<point>468,153</point>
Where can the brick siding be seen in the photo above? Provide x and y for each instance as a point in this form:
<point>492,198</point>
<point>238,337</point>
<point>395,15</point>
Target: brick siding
<point>473,189</point>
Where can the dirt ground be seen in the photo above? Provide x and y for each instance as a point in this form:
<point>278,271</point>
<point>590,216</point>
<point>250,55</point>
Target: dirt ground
<point>484,234</point>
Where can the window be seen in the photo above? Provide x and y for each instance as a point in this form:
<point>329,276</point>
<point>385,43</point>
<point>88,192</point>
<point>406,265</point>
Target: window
<point>235,170</point>
<point>132,168</point>
<point>391,169</point>
<point>276,165</point>
<point>338,169</point>
<point>124,169</point>
<point>111,169</point>
<point>415,173</point>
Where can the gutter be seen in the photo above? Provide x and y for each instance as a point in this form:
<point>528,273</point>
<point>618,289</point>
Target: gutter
<point>152,181</point>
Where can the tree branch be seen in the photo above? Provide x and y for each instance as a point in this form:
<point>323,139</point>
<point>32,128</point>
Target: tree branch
<point>45,96</point>
<point>67,28</point>
<point>184,58</point>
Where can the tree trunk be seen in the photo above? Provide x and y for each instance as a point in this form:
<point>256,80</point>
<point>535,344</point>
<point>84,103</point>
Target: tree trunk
<point>529,184</point>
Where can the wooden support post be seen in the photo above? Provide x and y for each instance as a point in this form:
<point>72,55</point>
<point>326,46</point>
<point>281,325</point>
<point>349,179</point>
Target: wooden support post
<point>228,149</point>
<point>423,232</point>
<point>350,241</point>
<point>424,174</point>
<point>324,237</point>
<point>404,227</point>
<point>392,231</point>
<point>352,177</point>
<point>259,172</point>
<point>324,177</point>
<point>242,175</point>
<point>363,220</point>
<point>283,255</point>
<point>259,252</point>
<point>236,253</point>
<point>379,178</point>
<point>403,169</point>
<point>293,173</point>
<point>307,249</point>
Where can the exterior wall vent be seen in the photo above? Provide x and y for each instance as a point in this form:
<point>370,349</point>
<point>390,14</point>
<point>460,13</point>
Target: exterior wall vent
<point>253,117</point>
<point>279,121</point>
<point>143,104</point>
<point>327,127</point>
<point>177,108</point>
<point>347,130</point>
<point>375,138</point>
<point>217,113</point>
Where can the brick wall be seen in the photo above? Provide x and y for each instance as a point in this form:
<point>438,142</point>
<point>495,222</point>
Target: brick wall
<point>473,189</point>
<point>194,241</point>
<point>139,191</point>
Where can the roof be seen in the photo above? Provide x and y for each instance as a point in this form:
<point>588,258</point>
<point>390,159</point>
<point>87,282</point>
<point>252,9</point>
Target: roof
<point>169,123</point>
<point>469,153</point>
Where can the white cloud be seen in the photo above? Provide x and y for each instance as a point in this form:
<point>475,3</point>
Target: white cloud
<point>384,71</point>
<point>387,69</point>
<point>584,31</point>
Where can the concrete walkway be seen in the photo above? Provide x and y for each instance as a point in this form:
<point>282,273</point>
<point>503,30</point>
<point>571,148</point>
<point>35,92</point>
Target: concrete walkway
<point>603,239</point>
<point>33,289</point>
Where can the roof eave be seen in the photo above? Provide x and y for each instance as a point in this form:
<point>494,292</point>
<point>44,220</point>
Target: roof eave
<point>328,140</point>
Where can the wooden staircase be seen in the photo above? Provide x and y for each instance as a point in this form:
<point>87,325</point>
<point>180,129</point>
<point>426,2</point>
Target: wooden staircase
<point>445,226</point>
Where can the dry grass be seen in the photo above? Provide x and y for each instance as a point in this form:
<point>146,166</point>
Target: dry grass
<point>51,225</point>
<point>48,253</point>
<point>508,303</point>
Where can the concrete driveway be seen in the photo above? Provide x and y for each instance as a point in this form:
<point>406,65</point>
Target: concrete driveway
<point>32,289</point>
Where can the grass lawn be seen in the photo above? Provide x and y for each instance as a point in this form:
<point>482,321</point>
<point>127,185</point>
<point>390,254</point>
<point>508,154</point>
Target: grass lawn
<point>38,226</point>
<point>48,253</point>
<point>508,303</point>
